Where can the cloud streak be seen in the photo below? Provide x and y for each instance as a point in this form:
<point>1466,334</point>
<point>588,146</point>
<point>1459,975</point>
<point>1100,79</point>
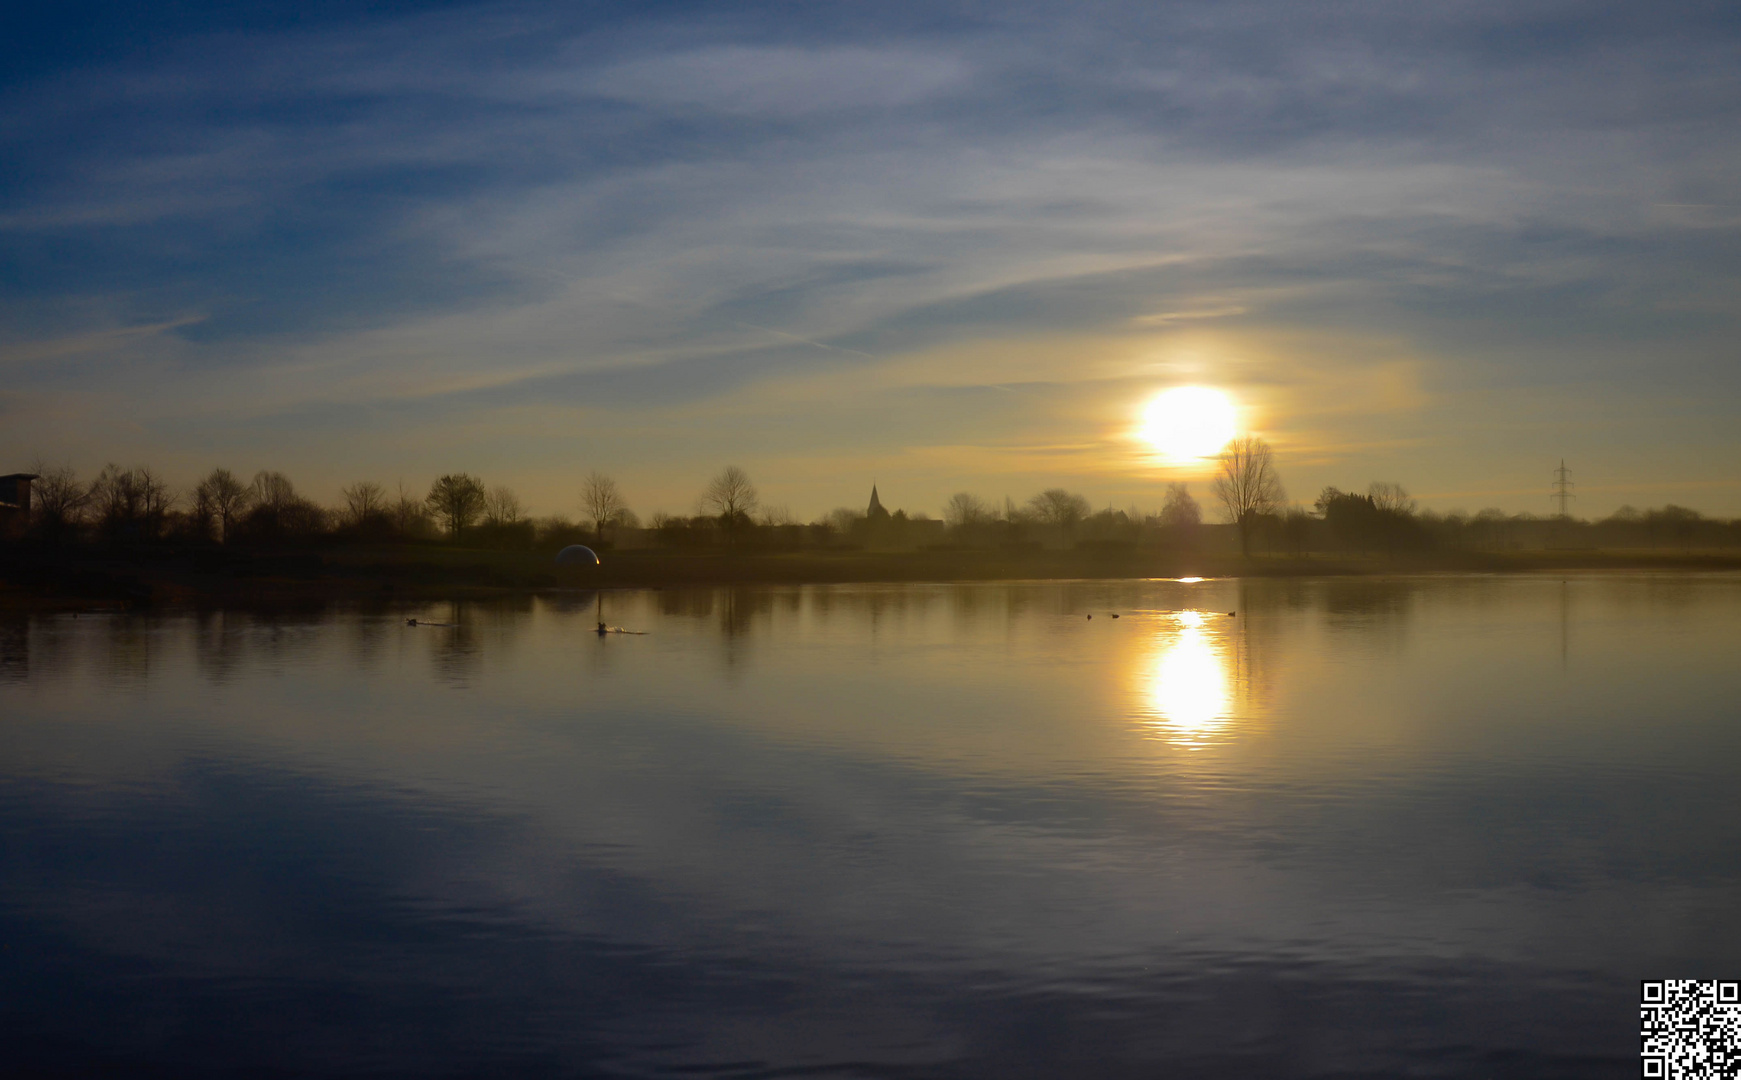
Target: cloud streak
<point>472,211</point>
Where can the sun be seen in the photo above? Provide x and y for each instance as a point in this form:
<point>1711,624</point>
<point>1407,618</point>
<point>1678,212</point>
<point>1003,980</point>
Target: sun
<point>1187,423</point>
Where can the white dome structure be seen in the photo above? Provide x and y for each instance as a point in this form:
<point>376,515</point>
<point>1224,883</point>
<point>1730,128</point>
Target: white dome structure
<point>577,555</point>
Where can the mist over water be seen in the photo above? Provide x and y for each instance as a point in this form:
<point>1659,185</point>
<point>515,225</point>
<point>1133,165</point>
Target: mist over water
<point>1434,826</point>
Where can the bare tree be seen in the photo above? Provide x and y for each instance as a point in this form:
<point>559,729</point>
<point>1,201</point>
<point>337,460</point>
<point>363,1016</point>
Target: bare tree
<point>730,497</point>
<point>131,502</point>
<point>1391,498</point>
<point>965,510</point>
<point>1181,510</point>
<point>225,497</point>
<point>277,509</point>
<point>408,513</point>
<point>364,499</point>
<point>57,500</point>
<point>457,499</point>
<point>843,520</point>
<point>274,492</point>
<point>1055,506</point>
<point>601,500</point>
<point>502,506</point>
<point>155,498</point>
<point>110,494</point>
<point>1248,486</point>
<point>200,517</point>
<point>778,515</point>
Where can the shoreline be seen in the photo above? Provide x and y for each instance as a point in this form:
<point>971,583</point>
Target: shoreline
<point>39,580</point>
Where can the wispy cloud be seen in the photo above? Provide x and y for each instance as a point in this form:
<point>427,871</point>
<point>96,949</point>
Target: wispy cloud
<point>479,211</point>
<point>1193,314</point>
<point>781,80</point>
<point>100,343</point>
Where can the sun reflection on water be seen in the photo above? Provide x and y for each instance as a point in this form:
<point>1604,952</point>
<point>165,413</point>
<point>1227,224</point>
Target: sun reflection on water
<point>1187,686</point>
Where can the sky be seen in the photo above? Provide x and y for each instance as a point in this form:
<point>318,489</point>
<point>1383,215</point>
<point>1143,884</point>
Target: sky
<point>932,246</point>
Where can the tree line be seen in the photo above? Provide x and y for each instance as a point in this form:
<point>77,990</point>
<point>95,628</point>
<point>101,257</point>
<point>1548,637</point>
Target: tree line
<point>137,505</point>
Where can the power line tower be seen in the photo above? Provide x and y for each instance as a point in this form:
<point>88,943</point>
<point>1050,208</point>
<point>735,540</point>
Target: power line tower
<point>1563,489</point>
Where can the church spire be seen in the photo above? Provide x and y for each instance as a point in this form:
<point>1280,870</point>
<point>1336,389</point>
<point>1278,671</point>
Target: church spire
<point>876,506</point>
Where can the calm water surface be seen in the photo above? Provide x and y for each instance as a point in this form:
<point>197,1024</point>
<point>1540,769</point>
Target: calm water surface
<point>1411,827</point>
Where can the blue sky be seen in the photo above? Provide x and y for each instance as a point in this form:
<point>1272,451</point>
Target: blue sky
<point>939,247</point>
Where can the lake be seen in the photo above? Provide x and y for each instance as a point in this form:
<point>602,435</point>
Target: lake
<point>1433,826</point>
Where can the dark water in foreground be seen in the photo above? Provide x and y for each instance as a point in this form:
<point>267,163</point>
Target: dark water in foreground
<point>1423,827</point>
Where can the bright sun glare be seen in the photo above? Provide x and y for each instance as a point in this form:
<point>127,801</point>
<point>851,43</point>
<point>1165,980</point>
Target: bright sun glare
<point>1188,687</point>
<point>1189,422</point>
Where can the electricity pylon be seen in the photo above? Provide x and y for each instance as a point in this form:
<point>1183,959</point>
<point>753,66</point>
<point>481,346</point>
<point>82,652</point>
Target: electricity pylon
<point>1563,489</point>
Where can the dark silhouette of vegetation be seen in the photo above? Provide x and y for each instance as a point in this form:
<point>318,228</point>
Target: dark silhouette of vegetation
<point>365,502</point>
<point>277,512</point>
<point>1296,530</point>
<point>1180,519</point>
<point>1391,499</point>
<point>602,502</point>
<point>58,503</point>
<point>1382,518</point>
<point>502,523</point>
<point>132,505</point>
<point>1180,510</point>
<point>367,515</point>
<point>731,498</point>
<point>221,498</point>
<point>267,530</point>
<point>502,507</point>
<point>457,499</point>
<point>965,510</point>
<point>1055,506</point>
<point>409,514</point>
<point>1248,486</point>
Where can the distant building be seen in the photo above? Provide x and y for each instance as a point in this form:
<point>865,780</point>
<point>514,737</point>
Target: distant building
<point>15,503</point>
<point>876,512</point>
<point>881,529</point>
